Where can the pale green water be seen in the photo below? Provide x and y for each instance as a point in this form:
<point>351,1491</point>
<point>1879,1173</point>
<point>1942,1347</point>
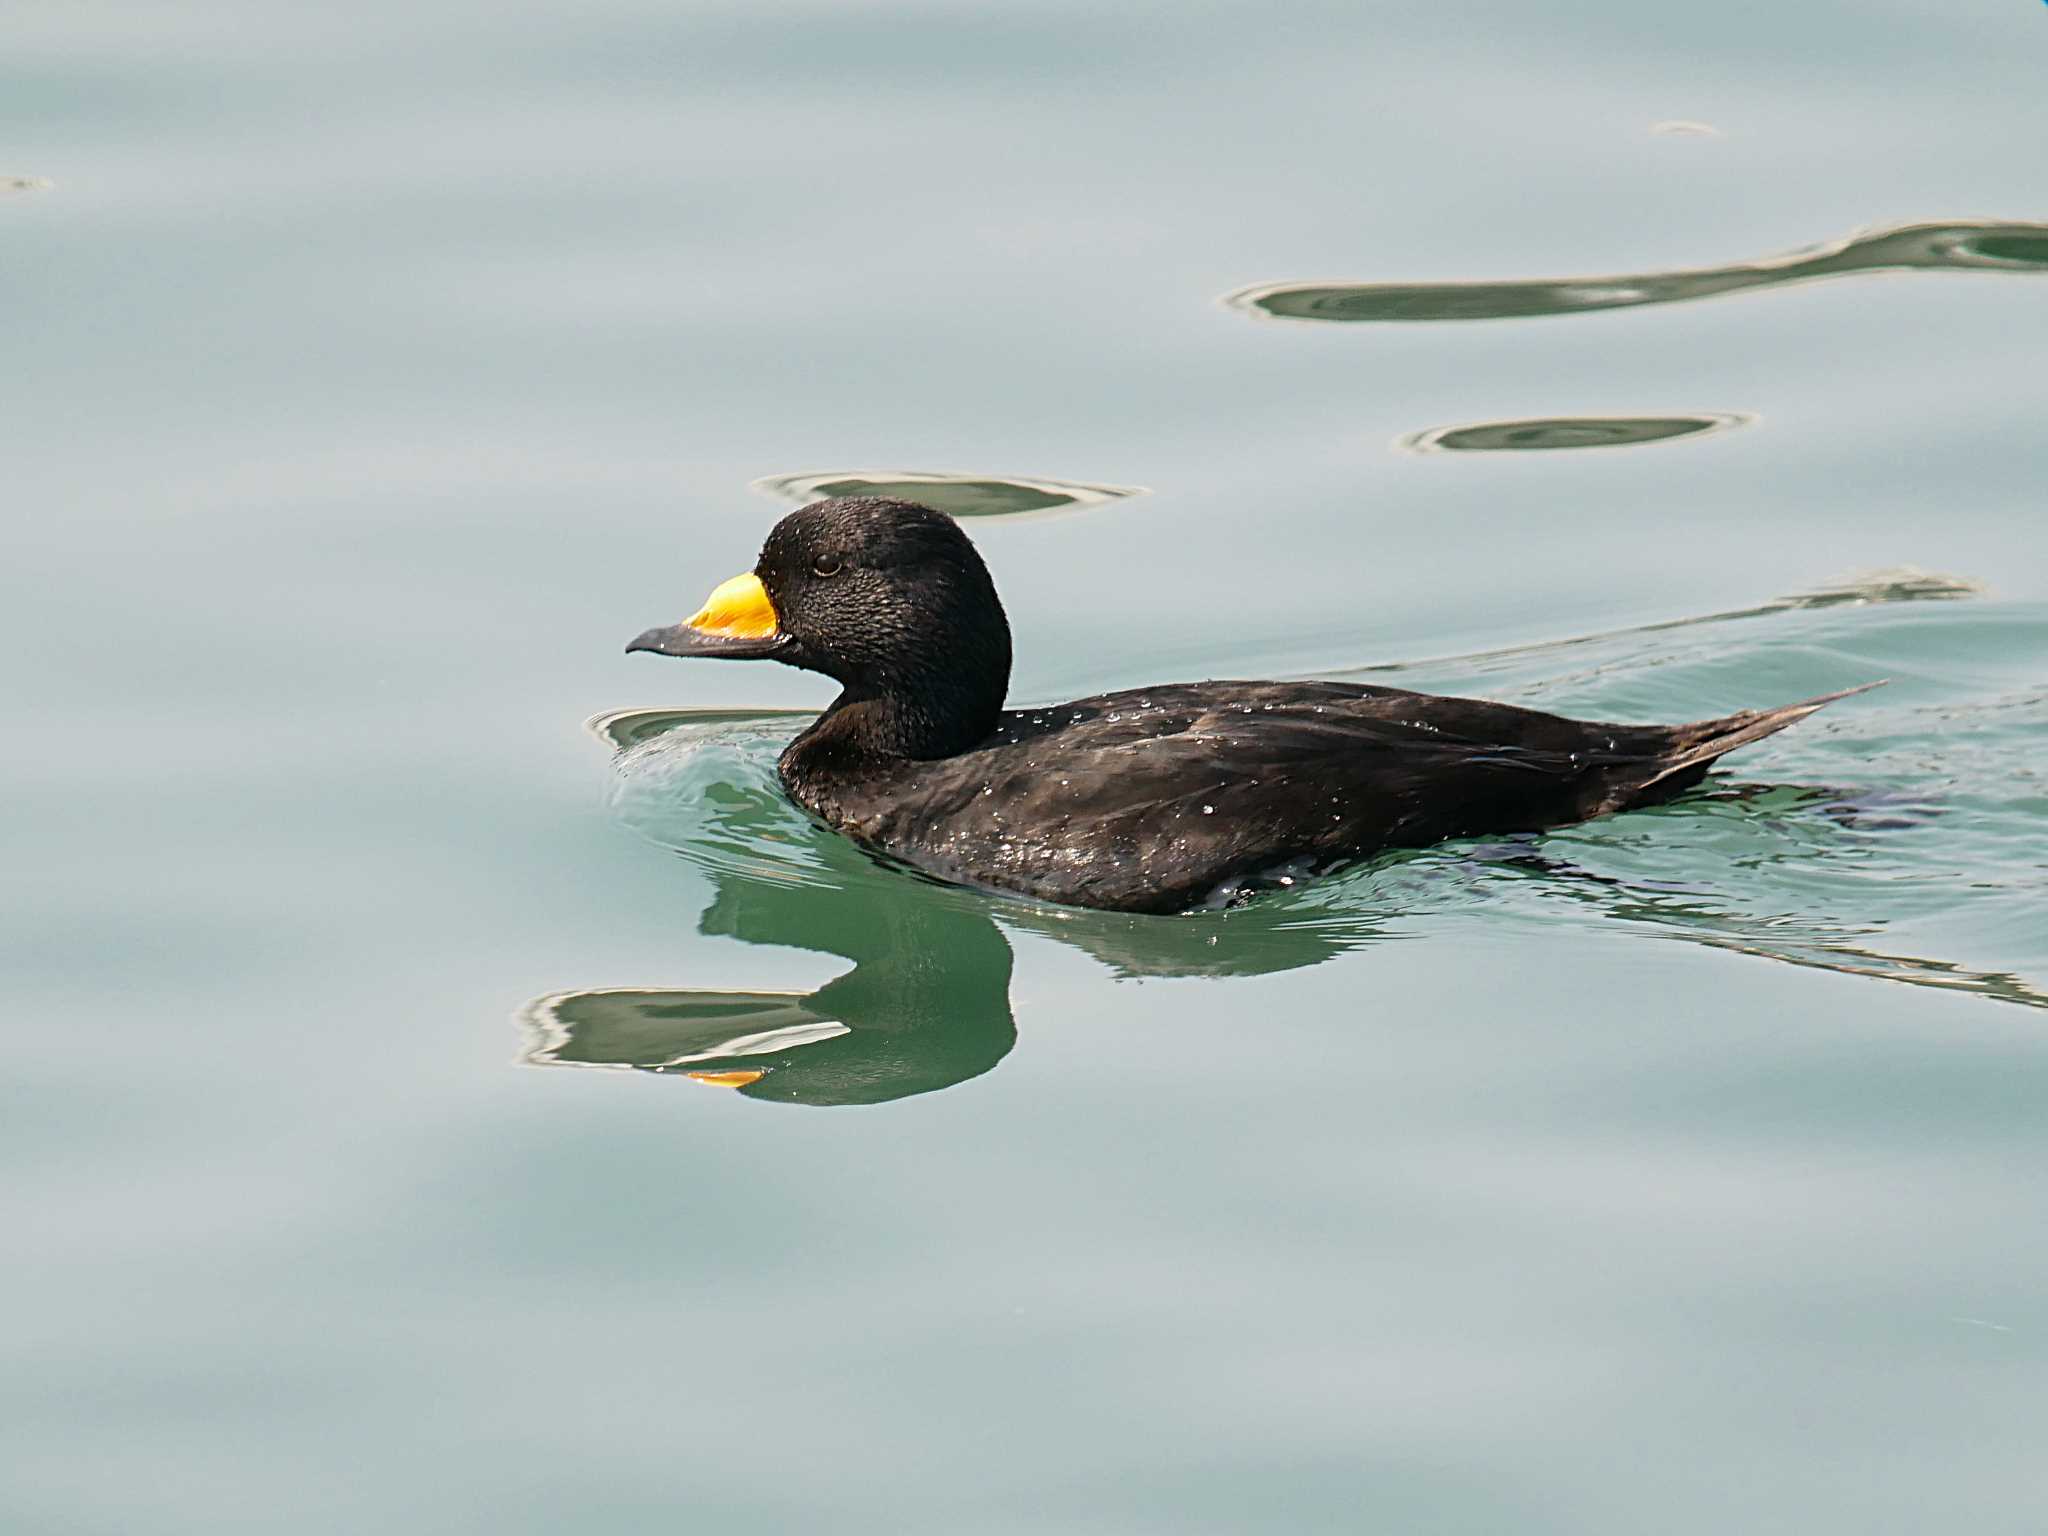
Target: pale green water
<point>376,373</point>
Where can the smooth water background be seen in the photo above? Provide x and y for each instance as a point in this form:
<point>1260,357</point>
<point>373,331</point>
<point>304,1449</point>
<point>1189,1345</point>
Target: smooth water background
<point>377,371</point>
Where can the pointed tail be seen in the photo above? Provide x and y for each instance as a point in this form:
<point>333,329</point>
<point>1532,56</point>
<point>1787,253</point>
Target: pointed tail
<point>1697,745</point>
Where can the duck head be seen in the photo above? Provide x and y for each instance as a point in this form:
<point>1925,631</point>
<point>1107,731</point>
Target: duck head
<point>887,597</point>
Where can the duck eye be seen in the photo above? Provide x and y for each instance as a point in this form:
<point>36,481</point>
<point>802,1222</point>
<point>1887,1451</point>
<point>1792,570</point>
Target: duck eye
<point>826,565</point>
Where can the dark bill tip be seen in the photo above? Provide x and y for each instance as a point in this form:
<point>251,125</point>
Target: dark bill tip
<point>660,640</point>
<point>681,640</point>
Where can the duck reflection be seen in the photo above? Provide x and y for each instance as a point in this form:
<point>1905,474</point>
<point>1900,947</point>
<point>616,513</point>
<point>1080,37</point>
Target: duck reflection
<point>927,1003</point>
<point>1977,246</point>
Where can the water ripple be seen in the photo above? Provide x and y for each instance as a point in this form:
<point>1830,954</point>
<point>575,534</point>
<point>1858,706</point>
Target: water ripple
<point>1897,584</point>
<point>969,496</point>
<point>1547,433</point>
<point>1965,246</point>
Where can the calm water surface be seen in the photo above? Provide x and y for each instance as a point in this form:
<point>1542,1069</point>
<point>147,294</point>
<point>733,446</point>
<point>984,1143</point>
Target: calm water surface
<point>433,1109</point>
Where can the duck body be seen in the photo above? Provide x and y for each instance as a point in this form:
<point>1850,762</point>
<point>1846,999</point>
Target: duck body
<point>1195,794</point>
<point>1159,799</point>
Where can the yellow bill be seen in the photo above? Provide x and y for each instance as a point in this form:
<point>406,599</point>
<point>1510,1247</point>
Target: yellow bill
<point>738,608</point>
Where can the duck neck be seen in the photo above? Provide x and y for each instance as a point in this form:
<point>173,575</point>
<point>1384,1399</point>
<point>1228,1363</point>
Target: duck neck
<point>864,726</point>
<point>936,699</point>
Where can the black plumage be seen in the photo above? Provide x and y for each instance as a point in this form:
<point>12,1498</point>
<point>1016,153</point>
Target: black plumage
<point>1148,800</point>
